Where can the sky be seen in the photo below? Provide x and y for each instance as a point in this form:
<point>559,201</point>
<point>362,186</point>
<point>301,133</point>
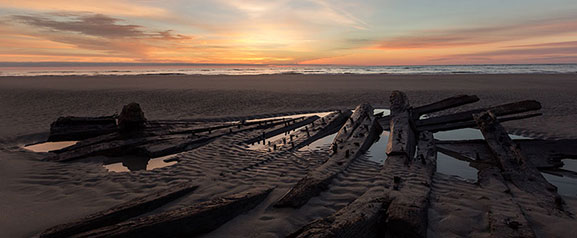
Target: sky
<point>361,32</point>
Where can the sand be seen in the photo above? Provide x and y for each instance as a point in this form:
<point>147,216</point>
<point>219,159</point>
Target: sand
<point>35,195</point>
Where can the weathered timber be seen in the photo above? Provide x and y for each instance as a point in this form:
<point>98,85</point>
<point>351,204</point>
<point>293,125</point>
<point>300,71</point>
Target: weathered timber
<point>120,213</point>
<point>445,104</point>
<point>149,143</point>
<point>319,128</point>
<point>349,143</point>
<point>470,124</point>
<point>114,148</point>
<point>515,167</point>
<point>506,218</point>
<point>402,136</point>
<point>277,131</point>
<point>360,219</point>
<point>187,221</point>
<point>501,110</point>
<point>80,128</point>
<point>543,154</point>
<point>131,118</point>
<point>407,184</point>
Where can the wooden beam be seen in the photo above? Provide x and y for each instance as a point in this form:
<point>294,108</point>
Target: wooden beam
<point>445,104</point>
<point>407,186</point>
<point>361,218</point>
<point>514,165</point>
<point>321,127</point>
<point>470,124</point>
<point>501,110</point>
<point>121,212</point>
<point>354,138</point>
<point>402,136</point>
<point>543,154</point>
<point>187,221</point>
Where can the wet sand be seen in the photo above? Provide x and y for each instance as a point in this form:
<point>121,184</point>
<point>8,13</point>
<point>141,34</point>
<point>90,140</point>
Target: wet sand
<point>29,104</point>
<point>36,195</point>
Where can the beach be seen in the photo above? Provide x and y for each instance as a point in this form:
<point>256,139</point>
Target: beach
<point>29,104</point>
<point>36,195</point>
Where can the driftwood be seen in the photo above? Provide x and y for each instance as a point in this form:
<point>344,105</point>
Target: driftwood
<point>80,128</point>
<point>514,165</point>
<point>188,221</point>
<point>121,212</point>
<point>354,138</point>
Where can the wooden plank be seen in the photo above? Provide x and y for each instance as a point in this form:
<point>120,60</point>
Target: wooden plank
<point>187,221</point>
<point>445,104</point>
<point>501,110</point>
<point>321,127</point>
<point>360,219</point>
<point>290,125</point>
<point>470,124</point>
<point>407,184</point>
<point>353,139</point>
<point>402,136</point>
<point>121,212</point>
<point>515,167</point>
<point>506,218</point>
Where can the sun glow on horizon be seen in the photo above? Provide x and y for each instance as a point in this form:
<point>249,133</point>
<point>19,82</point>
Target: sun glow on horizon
<point>367,32</point>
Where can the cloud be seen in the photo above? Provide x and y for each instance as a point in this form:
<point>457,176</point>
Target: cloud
<point>555,52</point>
<point>442,38</point>
<point>98,32</point>
<point>93,25</point>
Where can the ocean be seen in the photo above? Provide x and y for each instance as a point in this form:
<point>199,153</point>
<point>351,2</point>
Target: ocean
<point>91,69</point>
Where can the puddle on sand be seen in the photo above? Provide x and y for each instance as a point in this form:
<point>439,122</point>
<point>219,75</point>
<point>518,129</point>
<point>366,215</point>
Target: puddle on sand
<point>136,163</point>
<point>49,146</point>
<point>566,186</point>
<point>325,142</point>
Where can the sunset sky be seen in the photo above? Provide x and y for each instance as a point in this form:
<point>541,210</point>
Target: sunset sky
<point>364,32</point>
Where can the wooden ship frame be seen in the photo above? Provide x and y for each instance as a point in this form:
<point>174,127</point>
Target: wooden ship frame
<point>397,206</point>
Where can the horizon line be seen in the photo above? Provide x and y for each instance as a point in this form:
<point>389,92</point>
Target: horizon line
<point>101,64</point>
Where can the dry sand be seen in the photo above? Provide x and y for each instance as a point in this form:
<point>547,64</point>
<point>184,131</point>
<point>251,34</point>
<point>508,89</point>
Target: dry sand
<point>35,195</point>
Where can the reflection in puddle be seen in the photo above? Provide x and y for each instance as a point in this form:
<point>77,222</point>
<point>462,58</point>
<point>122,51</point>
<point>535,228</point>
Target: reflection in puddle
<point>136,163</point>
<point>320,144</point>
<point>378,151</point>
<point>451,166</point>
<point>566,184</point>
<point>49,146</point>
